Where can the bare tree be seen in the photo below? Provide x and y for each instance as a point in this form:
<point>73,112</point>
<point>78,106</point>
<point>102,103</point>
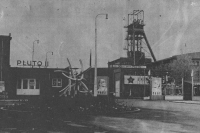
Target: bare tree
<point>181,68</point>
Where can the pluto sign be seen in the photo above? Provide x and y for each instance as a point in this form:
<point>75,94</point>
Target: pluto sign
<point>30,63</point>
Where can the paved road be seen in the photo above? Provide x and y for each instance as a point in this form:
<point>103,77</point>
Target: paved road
<point>154,117</point>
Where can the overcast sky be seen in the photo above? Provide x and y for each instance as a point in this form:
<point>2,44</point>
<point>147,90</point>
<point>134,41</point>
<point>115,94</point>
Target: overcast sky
<point>67,28</point>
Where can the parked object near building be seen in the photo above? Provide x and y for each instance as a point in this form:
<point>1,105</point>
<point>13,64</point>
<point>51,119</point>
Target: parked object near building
<point>156,89</point>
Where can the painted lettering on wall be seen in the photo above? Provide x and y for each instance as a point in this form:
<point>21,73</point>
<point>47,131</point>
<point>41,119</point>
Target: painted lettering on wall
<point>30,63</point>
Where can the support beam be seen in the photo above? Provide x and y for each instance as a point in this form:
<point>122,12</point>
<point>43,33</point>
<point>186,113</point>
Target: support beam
<point>149,47</point>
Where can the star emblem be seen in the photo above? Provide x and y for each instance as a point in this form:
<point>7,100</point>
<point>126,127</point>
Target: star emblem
<point>130,80</point>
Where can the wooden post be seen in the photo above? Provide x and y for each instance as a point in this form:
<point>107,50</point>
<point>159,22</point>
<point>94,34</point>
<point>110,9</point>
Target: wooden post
<point>192,75</point>
<point>144,79</point>
<point>182,86</point>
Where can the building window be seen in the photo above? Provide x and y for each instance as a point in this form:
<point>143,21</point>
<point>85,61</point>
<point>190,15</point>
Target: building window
<point>19,84</point>
<point>32,84</point>
<point>25,83</point>
<point>28,84</point>
<point>37,84</point>
<point>56,82</point>
<point>28,87</point>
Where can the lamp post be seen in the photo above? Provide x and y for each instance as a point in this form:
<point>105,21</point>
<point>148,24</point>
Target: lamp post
<point>33,51</point>
<point>46,62</point>
<point>95,70</point>
<point>150,83</point>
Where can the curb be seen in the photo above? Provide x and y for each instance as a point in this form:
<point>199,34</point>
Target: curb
<point>186,102</point>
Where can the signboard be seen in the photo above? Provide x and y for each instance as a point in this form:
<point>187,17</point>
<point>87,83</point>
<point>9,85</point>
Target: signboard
<point>128,66</point>
<point>31,63</point>
<point>102,86</point>
<point>130,79</point>
<point>28,91</point>
<point>156,86</point>
<point>2,86</point>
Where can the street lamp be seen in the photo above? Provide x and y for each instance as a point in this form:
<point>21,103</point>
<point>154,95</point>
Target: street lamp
<point>33,51</point>
<point>95,69</point>
<point>46,62</point>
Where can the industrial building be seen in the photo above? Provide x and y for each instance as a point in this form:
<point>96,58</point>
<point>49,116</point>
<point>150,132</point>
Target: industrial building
<point>125,77</point>
<point>193,60</point>
<point>26,81</point>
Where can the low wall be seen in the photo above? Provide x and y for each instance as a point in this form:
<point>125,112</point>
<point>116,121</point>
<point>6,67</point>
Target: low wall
<point>172,97</point>
<point>196,98</point>
<point>157,97</point>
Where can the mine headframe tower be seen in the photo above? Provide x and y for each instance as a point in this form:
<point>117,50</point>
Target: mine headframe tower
<point>135,37</point>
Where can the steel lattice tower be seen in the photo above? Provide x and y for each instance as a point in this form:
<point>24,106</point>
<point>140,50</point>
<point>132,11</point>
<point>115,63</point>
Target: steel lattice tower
<point>135,37</point>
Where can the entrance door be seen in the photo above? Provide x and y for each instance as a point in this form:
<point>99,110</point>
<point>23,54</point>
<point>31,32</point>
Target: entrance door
<point>134,91</point>
<point>137,91</point>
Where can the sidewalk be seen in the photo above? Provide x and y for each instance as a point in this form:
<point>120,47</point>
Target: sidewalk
<point>179,99</point>
<point>8,102</point>
<point>175,99</point>
<point>188,102</point>
<point>168,97</point>
<point>171,97</point>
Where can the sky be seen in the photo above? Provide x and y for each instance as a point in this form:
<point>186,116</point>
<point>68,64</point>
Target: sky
<point>67,28</point>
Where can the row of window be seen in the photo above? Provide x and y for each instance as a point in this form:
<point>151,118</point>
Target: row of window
<point>35,84</point>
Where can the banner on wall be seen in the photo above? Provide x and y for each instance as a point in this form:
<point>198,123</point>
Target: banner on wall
<point>130,79</point>
<point>156,86</point>
<point>102,86</point>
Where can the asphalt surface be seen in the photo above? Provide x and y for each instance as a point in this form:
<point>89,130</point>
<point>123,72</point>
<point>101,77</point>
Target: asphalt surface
<point>153,117</point>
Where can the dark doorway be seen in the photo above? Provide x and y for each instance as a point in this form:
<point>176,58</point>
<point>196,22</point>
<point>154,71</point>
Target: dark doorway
<point>187,91</point>
<point>134,91</point>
